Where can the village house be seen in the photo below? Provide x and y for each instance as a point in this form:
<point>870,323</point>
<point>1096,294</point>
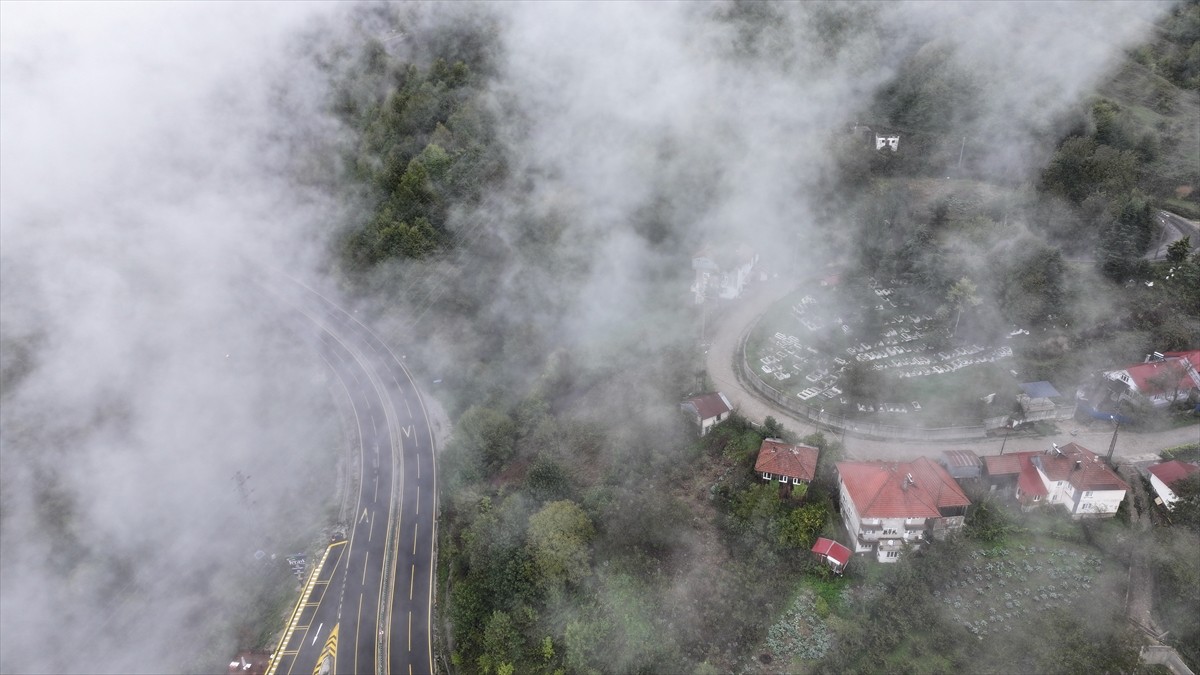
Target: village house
<point>722,273</point>
<point>707,410</point>
<point>1072,476</point>
<point>789,464</point>
<point>1157,382</point>
<point>1165,474</point>
<point>886,505</point>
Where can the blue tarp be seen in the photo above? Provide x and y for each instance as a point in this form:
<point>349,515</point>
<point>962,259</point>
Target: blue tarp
<point>1102,415</point>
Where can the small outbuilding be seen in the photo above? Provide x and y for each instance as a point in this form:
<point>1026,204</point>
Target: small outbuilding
<point>833,553</point>
<point>1164,475</point>
<point>707,410</point>
<point>961,464</point>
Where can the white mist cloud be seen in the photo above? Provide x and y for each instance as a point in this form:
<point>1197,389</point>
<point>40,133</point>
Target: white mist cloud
<point>146,166</point>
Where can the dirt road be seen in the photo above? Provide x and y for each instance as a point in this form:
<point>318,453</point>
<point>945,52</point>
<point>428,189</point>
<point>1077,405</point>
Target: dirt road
<point>727,326</point>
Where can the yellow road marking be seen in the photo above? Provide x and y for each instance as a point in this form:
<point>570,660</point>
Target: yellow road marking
<point>329,650</point>
<point>273,664</point>
<point>357,630</point>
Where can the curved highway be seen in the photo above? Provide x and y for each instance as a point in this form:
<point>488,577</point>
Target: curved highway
<point>367,604</point>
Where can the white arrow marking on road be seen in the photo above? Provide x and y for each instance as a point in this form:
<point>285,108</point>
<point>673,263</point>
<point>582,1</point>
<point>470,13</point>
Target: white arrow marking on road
<point>363,516</point>
<point>317,633</point>
<point>407,431</point>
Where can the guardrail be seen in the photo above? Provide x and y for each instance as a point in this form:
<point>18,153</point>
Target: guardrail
<point>839,423</point>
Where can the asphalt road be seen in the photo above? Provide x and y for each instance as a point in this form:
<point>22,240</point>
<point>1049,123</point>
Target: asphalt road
<point>1174,228</point>
<point>367,605</point>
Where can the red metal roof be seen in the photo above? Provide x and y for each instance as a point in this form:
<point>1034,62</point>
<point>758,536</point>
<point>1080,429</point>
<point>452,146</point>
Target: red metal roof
<point>710,405</point>
<point>1082,468</point>
<point>1028,482</point>
<point>1169,472</point>
<point>781,459</point>
<point>1143,374</point>
<point>832,550</point>
<point>881,489</point>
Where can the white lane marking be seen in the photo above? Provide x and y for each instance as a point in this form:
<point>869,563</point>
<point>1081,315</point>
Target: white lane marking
<point>418,499</point>
<point>371,529</point>
<point>418,466</point>
<point>374,429</point>
<point>365,559</point>
<point>376,499</point>
<point>414,538</point>
<point>319,627</point>
<point>364,515</point>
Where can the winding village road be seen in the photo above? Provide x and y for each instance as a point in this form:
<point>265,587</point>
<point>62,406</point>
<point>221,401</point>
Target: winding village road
<point>731,323</point>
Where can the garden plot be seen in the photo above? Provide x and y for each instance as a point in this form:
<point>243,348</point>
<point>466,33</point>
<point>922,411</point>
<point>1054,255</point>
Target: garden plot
<point>993,592</point>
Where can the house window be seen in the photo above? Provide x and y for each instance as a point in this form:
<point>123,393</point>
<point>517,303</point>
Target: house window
<point>766,475</point>
<point>889,530</point>
<point>1037,498</point>
<point>795,481</point>
<point>1087,494</point>
<point>892,554</point>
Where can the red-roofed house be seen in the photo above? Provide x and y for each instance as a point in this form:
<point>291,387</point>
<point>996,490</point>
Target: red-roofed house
<point>888,504</point>
<point>788,464</point>
<point>1071,475</point>
<point>1164,474</point>
<point>707,410</point>
<point>836,555</point>
<point>1159,381</point>
<point>1015,475</point>
<point>1079,480</point>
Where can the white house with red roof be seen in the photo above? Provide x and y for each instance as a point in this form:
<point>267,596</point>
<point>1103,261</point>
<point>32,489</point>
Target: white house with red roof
<point>834,554</point>
<point>707,410</point>
<point>888,504</point>
<point>1072,476</point>
<point>1160,380</point>
<point>1165,474</point>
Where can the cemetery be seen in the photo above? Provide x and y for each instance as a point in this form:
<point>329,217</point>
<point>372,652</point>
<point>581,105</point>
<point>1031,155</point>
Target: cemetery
<point>910,370</point>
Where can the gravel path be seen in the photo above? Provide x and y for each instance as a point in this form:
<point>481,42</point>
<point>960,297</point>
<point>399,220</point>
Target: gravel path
<point>726,326</point>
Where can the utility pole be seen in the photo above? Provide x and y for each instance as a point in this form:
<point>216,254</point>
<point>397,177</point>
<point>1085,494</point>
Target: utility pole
<point>1007,429</point>
<point>1112,445</point>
